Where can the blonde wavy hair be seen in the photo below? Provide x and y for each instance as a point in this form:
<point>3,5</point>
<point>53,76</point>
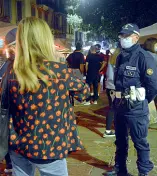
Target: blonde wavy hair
<point>34,45</point>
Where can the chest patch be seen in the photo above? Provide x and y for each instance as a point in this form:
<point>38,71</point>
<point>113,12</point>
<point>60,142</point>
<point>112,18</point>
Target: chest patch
<point>129,73</point>
<point>130,68</point>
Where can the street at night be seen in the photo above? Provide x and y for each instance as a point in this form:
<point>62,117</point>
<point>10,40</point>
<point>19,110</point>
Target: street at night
<point>78,88</point>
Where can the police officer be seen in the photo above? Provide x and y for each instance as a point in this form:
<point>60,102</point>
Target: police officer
<point>136,86</point>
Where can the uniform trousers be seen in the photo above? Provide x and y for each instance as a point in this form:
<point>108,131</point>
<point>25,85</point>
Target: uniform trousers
<point>138,126</point>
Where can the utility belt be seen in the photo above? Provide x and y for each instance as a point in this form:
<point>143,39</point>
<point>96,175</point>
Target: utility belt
<point>133,93</point>
<point>129,97</point>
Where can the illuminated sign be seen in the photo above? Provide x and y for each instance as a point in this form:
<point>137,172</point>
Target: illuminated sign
<point>1,43</point>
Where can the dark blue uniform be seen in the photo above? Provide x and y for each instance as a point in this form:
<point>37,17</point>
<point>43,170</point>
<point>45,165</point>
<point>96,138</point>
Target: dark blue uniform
<point>135,67</point>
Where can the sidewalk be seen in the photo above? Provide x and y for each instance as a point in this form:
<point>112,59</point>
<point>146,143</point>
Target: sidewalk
<point>98,156</point>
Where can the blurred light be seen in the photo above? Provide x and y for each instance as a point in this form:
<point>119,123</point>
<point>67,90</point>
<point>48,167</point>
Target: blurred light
<point>103,51</point>
<point>1,43</point>
<point>7,53</point>
<point>112,50</point>
<point>73,48</point>
<point>94,43</point>
<point>86,47</point>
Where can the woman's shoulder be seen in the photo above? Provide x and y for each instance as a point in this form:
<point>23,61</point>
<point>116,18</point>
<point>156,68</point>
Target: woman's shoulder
<point>59,68</point>
<point>56,65</point>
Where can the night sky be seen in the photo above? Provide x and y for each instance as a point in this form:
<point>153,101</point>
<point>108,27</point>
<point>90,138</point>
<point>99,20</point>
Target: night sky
<point>116,13</point>
<point>142,12</point>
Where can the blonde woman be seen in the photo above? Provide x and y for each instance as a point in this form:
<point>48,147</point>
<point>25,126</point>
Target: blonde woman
<point>42,124</point>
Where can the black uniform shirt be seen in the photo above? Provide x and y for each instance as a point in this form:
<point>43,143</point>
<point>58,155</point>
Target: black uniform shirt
<point>136,67</point>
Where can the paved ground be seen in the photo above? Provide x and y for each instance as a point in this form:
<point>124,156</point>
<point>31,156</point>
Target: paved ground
<point>98,155</point>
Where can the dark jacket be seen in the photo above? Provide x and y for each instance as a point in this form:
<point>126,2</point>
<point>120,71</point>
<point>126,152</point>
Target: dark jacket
<point>136,67</point>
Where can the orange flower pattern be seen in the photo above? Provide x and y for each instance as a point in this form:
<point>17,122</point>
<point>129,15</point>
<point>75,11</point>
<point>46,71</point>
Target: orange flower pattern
<point>42,124</point>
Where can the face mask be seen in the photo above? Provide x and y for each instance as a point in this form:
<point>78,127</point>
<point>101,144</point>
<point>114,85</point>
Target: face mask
<point>97,51</point>
<point>126,42</point>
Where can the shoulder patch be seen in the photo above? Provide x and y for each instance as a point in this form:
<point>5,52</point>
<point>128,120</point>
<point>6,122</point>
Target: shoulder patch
<point>149,71</point>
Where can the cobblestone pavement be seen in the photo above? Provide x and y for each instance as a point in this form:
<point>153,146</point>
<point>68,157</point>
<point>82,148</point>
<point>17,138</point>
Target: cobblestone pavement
<point>98,156</point>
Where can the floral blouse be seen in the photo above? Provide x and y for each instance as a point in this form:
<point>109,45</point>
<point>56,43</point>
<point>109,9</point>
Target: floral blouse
<point>42,124</point>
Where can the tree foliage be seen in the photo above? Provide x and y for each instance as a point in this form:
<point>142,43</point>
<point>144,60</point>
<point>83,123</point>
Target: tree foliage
<point>74,20</point>
<point>116,13</point>
<point>72,6</point>
<point>73,17</point>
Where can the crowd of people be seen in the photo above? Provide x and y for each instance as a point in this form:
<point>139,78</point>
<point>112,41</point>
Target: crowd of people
<point>42,125</point>
<point>93,68</point>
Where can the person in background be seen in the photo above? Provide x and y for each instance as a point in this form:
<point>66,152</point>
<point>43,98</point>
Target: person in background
<point>94,64</point>
<point>105,59</point>
<point>42,125</point>
<point>11,55</point>
<point>6,62</point>
<point>136,86</point>
<point>75,61</point>
<point>150,45</point>
<point>110,91</point>
<point>89,51</point>
<point>91,87</point>
<point>8,168</point>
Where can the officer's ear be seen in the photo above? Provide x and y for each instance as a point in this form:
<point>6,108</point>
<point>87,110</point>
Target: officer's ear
<point>137,37</point>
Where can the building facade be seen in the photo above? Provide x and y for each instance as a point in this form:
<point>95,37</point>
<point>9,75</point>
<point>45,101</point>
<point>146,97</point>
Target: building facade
<point>51,11</point>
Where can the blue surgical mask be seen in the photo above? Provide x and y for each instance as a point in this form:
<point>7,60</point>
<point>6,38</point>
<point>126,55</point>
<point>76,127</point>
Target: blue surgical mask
<point>126,42</point>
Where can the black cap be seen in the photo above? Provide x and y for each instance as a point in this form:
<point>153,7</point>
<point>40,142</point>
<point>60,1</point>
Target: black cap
<point>130,29</point>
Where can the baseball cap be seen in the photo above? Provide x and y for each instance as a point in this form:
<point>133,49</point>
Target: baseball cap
<point>130,29</point>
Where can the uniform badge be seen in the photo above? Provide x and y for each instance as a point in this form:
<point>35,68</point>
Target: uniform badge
<point>149,71</point>
<point>130,68</point>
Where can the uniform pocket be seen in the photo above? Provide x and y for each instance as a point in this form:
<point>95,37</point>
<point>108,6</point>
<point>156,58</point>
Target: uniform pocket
<point>130,73</point>
<point>131,78</point>
<point>135,105</point>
